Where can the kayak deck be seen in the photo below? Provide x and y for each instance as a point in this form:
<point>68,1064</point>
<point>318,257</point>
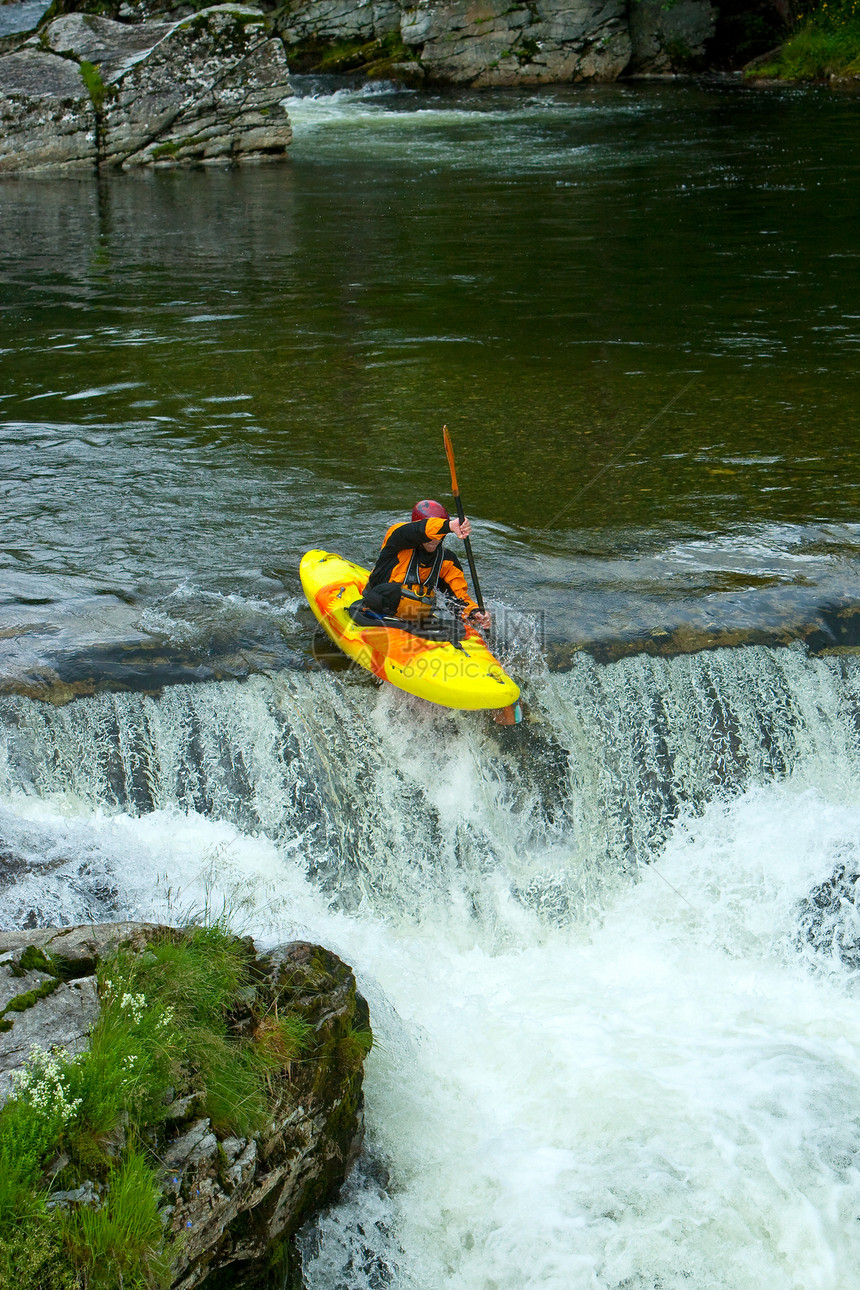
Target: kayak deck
<point>455,674</point>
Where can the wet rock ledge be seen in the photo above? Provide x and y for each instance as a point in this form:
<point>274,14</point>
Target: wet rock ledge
<point>231,1126</point>
<point>88,91</point>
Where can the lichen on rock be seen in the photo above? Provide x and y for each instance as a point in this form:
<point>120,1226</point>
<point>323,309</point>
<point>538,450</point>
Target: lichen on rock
<point>89,90</point>
<point>47,119</point>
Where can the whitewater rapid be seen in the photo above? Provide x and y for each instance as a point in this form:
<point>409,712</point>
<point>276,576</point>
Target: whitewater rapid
<point>606,1054</point>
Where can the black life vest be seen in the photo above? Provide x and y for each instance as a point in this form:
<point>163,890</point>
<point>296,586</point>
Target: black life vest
<point>424,587</point>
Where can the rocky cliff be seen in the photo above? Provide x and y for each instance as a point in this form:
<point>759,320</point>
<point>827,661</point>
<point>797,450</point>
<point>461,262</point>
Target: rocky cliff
<point>88,90</point>
<point>85,1010</point>
<point>496,42</point>
<point>152,82</point>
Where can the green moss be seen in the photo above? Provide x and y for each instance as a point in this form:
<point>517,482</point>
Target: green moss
<point>347,56</point>
<point>343,1121</point>
<point>164,150</point>
<point>87,1154</point>
<point>35,960</point>
<point>30,998</point>
<point>96,87</point>
<point>354,1046</point>
<point>526,51</point>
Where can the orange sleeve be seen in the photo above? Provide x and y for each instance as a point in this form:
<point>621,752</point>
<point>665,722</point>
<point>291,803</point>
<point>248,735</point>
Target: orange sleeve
<point>435,528</point>
<point>456,580</point>
<point>402,537</point>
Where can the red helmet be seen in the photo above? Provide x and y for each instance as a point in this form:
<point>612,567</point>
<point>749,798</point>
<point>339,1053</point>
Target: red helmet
<point>429,510</point>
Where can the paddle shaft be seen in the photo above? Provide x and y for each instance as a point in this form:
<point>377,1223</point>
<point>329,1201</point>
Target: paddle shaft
<point>461,515</point>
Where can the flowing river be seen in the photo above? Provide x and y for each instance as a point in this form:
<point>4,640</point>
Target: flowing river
<point>612,954</point>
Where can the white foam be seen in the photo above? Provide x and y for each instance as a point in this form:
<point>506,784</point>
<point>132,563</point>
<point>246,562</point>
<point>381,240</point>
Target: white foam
<point>658,1089</point>
<point>665,1097</point>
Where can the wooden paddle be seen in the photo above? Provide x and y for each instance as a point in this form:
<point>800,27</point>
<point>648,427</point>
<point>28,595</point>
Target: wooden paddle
<point>449,449</point>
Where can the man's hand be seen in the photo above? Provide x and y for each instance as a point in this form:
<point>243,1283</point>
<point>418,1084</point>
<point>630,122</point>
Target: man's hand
<point>460,528</point>
<point>481,619</point>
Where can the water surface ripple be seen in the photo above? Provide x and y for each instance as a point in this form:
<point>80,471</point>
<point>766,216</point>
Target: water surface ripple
<point>207,372</point>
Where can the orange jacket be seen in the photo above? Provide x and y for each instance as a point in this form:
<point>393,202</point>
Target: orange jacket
<point>403,544</point>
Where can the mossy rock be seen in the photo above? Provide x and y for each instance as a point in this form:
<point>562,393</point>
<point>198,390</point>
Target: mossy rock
<point>252,1086</point>
<point>387,57</point>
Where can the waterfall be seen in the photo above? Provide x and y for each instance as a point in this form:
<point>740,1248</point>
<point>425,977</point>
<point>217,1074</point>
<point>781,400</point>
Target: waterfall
<point>616,1048</point>
<point>399,805</point>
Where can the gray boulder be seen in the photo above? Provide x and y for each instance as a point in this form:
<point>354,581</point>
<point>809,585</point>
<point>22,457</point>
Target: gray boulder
<point>470,42</point>
<point>336,20</point>
<point>38,1011</point>
<point>93,91</point>
<point>47,118</point>
<point>113,47</point>
<point>76,949</point>
<point>20,16</point>
<point>37,1008</point>
<point>491,42</point>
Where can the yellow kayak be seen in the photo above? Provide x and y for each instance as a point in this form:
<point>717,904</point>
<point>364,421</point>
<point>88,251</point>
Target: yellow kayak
<point>453,673</point>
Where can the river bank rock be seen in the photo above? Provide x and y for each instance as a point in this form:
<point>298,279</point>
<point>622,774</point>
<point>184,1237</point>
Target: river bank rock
<point>496,43</point>
<point>93,91</point>
<point>490,42</point>
<point>47,118</point>
<point>231,1199</point>
<point>200,87</point>
<point>667,39</point>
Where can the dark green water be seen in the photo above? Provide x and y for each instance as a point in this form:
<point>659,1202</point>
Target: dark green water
<point>649,293</point>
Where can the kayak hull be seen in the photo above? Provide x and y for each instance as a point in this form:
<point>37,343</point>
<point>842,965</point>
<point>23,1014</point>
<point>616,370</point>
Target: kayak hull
<point>465,676</point>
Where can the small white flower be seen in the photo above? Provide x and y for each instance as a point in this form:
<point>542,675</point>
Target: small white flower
<point>42,1084</point>
<point>165,1018</point>
<point>135,1004</point>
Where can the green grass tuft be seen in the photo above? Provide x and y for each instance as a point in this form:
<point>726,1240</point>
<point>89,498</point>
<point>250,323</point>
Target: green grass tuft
<point>96,87</point>
<point>825,43</point>
<point>354,1047</point>
<point>121,1243</point>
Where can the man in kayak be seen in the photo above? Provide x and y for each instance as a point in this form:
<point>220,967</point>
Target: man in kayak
<point>413,559</point>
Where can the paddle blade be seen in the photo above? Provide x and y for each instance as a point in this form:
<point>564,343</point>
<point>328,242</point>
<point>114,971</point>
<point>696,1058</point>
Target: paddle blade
<point>512,715</point>
<point>449,451</point>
